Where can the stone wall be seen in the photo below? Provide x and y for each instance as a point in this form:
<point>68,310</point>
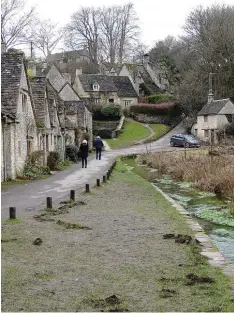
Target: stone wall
<point>105,127</point>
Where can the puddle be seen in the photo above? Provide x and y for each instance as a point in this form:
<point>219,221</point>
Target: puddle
<point>210,212</point>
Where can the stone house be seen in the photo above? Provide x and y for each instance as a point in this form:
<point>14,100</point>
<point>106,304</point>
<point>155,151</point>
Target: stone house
<point>78,122</point>
<point>214,116</point>
<point>50,134</point>
<point>105,89</point>
<point>18,127</point>
<point>80,110</point>
<point>147,78</point>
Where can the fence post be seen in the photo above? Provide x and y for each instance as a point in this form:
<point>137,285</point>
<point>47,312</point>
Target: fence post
<point>72,195</point>
<point>12,211</point>
<point>49,202</point>
<point>87,188</point>
<point>104,178</point>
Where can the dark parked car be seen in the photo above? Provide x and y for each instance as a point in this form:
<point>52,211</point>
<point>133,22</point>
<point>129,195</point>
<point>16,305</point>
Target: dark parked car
<point>184,140</point>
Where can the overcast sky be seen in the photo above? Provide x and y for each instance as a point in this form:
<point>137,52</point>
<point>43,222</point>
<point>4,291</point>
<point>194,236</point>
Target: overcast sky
<point>158,18</point>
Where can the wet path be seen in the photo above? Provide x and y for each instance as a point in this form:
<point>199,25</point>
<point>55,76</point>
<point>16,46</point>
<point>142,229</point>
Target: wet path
<point>31,195</point>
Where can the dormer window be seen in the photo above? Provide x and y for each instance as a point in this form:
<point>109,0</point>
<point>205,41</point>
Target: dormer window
<point>96,87</point>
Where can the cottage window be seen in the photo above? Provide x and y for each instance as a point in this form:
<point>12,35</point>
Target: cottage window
<point>29,147</point>
<point>47,142</point>
<point>206,133</point>
<point>127,103</point>
<point>111,100</point>
<point>24,102</point>
<point>95,87</point>
<point>97,100</point>
<point>205,118</point>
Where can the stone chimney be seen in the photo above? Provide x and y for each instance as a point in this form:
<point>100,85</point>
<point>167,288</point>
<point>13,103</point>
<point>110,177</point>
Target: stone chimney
<point>146,58</point>
<point>32,70</point>
<point>210,97</point>
<point>78,71</point>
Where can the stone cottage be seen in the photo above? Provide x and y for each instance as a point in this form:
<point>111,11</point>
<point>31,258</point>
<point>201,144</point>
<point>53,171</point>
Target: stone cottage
<point>50,134</point>
<point>147,78</point>
<point>105,89</point>
<point>214,116</point>
<point>18,127</point>
<point>80,110</point>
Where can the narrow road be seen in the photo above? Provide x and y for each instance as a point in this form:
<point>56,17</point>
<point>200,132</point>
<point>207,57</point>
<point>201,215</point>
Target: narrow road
<point>29,196</point>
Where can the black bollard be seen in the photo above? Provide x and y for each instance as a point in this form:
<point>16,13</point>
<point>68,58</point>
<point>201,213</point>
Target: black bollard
<point>87,188</point>
<point>12,211</point>
<point>72,195</point>
<point>49,202</point>
<point>98,182</point>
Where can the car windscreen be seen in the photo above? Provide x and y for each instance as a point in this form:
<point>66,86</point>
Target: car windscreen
<point>190,137</point>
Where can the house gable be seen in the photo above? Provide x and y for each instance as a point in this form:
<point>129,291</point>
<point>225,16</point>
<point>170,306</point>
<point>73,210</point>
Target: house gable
<point>55,78</point>
<point>67,93</point>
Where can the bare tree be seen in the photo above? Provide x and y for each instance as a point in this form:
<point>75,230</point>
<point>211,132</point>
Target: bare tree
<point>105,32</point>
<point>45,36</point>
<point>83,31</point>
<point>15,22</point>
<point>129,30</point>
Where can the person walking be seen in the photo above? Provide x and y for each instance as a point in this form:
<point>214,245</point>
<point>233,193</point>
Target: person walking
<point>84,152</point>
<point>98,144</point>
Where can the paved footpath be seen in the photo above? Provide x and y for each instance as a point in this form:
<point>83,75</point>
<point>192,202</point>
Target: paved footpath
<point>27,197</point>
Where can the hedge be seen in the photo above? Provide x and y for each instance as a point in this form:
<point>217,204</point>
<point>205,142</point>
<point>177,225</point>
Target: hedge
<point>160,98</point>
<point>107,112</point>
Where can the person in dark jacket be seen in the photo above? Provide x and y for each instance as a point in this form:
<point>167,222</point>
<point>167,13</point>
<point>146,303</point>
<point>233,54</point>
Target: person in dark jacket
<point>84,152</point>
<point>98,144</point>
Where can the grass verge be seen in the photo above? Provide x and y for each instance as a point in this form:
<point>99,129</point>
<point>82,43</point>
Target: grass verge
<point>120,262</point>
<point>132,132</point>
<point>159,130</point>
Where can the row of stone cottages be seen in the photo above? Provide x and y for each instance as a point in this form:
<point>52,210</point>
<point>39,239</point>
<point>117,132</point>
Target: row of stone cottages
<point>38,113</point>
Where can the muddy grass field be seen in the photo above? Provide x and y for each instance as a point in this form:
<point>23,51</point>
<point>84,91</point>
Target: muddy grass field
<point>108,252</point>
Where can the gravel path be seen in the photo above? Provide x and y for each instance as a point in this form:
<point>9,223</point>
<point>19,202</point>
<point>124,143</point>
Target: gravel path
<point>121,263</point>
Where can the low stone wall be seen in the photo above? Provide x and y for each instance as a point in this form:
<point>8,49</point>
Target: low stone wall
<point>147,119</point>
<point>105,129</point>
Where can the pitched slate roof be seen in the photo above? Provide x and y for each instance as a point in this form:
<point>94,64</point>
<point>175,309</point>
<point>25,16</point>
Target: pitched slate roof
<point>213,107</point>
<point>124,86</point>
<point>11,70</point>
<point>38,87</point>
<point>74,107</point>
<point>104,81</point>
<point>120,84</point>
<point>149,84</point>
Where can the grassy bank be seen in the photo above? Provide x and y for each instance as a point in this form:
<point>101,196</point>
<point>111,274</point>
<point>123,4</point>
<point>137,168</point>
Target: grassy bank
<point>132,133</point>
<point>159,130</point>
<point>211,173</point>
<point>108,254</point>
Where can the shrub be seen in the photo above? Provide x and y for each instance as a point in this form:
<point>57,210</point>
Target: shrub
<point>112,111</point>
<point>160,98</point>
<point>71,153</point>
<point>36,157</point>
<point>34,171</point>
<point>53,160</point>
<point>104,133</point>
<point>107,113</point>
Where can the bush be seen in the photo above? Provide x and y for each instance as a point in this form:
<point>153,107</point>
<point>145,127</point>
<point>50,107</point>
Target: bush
<point>160,98</point>
<point>107,113</point>
<point>104,133</point>
<point>229,129</point>
<point>36,158</point>
<point>71,153</point>
<point>53,160</point>
<point>35,171</point>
